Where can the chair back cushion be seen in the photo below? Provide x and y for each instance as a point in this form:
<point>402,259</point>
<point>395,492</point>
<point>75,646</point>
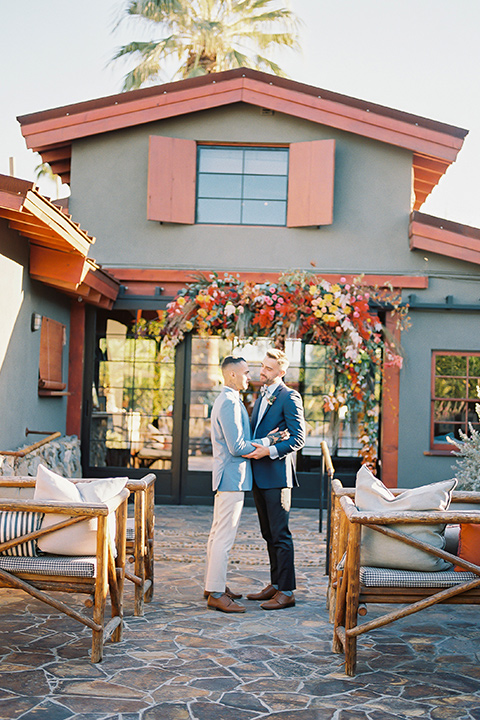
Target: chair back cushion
<point>81,538</point>
<point>378,550</point>
<point>14,524</point>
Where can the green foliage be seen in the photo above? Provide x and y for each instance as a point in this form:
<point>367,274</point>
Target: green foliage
<point>467,468</point>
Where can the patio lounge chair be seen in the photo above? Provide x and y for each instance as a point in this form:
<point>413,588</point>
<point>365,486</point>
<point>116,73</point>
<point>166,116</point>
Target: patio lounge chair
<point>39,576</point>
<point>354,587</point>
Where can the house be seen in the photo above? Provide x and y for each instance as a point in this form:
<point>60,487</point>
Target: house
<point>245,173</point>
<point>46,278</point>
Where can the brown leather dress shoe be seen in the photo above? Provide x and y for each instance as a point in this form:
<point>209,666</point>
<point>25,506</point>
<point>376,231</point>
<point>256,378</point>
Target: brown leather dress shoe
<point>230,593</point>
<point>279,602</point>
<point>224,604</point>
<point>265,594</point>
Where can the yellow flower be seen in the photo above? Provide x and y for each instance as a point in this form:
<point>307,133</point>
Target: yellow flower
<point>181,301</point>
<point>328,297</point>
<point>318,313</point>
<point>313,289</point>
<point>337,301</point>
<point>202,312</point>
<point>188,326</point>
<point>335,288</point>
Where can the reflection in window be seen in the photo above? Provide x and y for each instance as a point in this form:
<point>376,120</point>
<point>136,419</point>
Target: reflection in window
<point>455,379</point>
<point>310,372</point>
<point>132,418</point>
<point>242,186</point>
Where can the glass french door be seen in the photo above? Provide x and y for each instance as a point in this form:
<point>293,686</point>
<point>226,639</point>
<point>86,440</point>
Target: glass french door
<point>311,372</point>
<point>149,408</point>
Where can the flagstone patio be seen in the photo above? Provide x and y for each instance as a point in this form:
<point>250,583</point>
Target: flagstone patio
<point>182,661</point>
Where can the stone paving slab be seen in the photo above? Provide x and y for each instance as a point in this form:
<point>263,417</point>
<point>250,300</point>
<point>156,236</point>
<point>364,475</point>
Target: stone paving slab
<point>183,661</point>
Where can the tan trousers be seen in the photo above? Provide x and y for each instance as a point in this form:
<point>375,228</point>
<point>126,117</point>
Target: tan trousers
<point>227,509</point>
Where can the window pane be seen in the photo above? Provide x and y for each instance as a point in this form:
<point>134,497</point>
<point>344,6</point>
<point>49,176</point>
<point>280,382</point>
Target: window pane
<point>219,186</point>
<point>474,365</point>
<point>472,412</point>
<point>267,187</point>
<point>446,387</point>
<point>264,212</point>
<point>442,430</point>
<point>220,160</point>
<point>473,388</point>
<point>266,162</point>
<point>219,211</point>
<point>446,410</point>
<point>451,365</point>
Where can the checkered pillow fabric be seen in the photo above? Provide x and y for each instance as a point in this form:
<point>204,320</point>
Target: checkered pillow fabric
<point>14,524</point>
<point>130,529</point>
<point>69,566</point>
<point>386,577</point>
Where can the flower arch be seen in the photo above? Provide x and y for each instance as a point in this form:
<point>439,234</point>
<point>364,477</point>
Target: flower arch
<point>304,306</point>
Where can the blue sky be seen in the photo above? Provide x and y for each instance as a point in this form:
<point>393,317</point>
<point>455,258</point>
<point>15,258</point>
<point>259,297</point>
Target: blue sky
<point>420,56</point>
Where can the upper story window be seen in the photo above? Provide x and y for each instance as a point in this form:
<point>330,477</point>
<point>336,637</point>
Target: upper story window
<point>192,183</point>
<point>242,185</point>
<point>455,378</point>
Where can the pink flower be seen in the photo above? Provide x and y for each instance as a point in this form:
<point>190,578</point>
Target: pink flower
<point>272,288</point>
<point>269,301</point>
<point>343,279</point>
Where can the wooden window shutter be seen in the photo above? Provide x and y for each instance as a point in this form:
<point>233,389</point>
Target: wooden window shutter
<point>52,340</point>
<point>172,166</point>
<point>310,183</point>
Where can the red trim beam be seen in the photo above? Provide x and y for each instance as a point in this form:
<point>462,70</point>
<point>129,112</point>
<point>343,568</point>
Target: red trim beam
<point>453,240</point>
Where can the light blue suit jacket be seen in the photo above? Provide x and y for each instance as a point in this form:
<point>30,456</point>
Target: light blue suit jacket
<point>230,431</point>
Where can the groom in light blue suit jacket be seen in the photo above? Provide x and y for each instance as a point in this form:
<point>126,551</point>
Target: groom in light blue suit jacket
<point>232,475</point>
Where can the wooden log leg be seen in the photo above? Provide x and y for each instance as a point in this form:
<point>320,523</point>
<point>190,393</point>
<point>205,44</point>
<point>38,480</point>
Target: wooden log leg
<point>101,589</point>
<point>353,591</point>
<point>116,567</point>
<point>334,558</point>
<point>149,560</point>
<point>339,619</point>
<point>140,530</point>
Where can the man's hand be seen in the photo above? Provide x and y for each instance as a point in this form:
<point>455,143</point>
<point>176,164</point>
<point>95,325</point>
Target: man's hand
<point>276,436</point>
<point>259,452</point>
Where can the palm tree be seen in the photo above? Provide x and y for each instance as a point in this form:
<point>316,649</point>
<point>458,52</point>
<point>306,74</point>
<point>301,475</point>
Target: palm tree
<point>44,170</point>
<point>207,36</point>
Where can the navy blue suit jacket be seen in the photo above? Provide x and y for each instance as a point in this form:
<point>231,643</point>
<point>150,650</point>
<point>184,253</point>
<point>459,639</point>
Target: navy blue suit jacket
<point>286,412</point>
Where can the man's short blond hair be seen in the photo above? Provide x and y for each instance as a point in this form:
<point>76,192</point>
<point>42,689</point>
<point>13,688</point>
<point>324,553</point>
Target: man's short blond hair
<point>280,357</point>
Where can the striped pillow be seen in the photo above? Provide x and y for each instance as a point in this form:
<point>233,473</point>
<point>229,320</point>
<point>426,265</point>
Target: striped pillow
<point>15,524</point>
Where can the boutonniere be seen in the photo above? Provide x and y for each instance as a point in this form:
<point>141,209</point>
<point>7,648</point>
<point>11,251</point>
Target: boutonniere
<point>271,400</point>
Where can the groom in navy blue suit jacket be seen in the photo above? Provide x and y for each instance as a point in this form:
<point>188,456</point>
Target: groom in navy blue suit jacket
<point>274,476</point>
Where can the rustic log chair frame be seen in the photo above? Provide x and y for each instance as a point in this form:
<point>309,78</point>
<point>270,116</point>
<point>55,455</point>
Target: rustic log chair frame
<point>109,574</point>
<point>140,548</point>
<point>352,596</point>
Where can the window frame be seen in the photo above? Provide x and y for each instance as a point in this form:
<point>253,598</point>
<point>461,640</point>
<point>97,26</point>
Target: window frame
<point>446,447</point>
<point>242,147</point>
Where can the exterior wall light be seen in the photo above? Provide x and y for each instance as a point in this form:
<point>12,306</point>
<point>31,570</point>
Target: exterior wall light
<point>36,322</point>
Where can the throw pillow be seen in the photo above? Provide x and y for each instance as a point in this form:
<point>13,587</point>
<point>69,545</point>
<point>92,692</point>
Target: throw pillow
<point>81,538</point>
<point>469,544</point>
<point>378,550</point>
<point>14,524</point>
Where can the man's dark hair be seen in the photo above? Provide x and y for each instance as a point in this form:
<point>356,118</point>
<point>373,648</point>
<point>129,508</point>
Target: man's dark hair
<point>231,360</point>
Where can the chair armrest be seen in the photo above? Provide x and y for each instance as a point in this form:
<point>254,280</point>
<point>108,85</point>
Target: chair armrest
<point>430,517</point>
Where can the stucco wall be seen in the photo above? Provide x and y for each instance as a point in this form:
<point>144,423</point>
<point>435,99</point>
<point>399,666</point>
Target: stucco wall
<point>20,347</point>
<point>371,208</point>
<point>431,330</point>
